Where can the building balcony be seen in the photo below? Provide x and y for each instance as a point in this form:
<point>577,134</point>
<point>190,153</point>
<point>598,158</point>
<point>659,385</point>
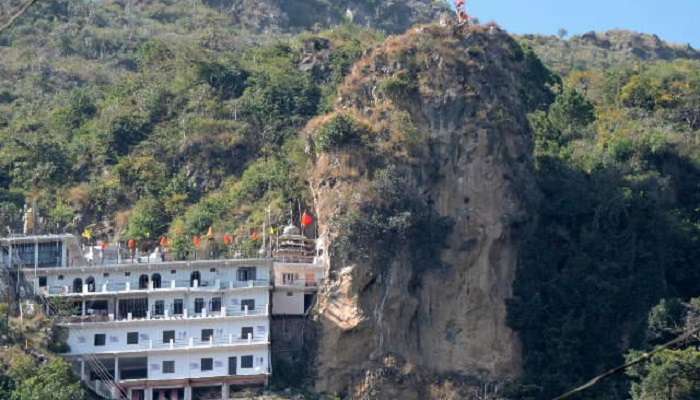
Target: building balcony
<point>167,315</point>
<point>135,287</point>
<point>191,344</point>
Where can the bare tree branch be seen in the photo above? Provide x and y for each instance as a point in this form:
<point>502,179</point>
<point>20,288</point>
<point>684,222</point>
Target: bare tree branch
<point>18,14</point>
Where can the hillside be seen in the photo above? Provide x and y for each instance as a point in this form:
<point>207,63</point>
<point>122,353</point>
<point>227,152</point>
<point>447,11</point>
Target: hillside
<point>501,214</point>
<point>601,50</point>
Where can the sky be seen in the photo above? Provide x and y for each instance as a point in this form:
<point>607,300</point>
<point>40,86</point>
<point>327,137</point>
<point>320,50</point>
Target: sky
<point>675,21</point>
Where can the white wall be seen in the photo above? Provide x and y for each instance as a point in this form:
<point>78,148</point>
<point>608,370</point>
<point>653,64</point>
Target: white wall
<point>284,304</point>
<point>81,338</point>
<point>187,365</point>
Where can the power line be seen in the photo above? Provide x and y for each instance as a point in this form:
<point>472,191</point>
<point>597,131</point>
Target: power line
<point>623,367</point>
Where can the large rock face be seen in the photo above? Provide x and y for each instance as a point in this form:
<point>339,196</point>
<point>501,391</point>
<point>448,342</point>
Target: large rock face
<point>415,312</point>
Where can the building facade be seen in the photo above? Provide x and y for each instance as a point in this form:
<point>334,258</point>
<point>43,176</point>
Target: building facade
<point>167,330</point>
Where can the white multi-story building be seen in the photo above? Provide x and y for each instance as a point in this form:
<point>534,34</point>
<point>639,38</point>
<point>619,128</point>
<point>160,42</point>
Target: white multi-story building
<point>147,329</point>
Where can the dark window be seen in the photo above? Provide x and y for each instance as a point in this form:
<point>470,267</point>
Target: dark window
<point>206,334</point>
<point>137,307</point>
<point>195,276</point>
<point>216,304</point>
<point>212,270</point>
<point>246,331</point>
<point>168,336</point>
<point>232,364</point>
<point>77,285</point>
<point>132,338</point>
<point>246,274</point>
<point>247,362</point>
<point>100,339</point>
<point>60,277</point>
<point>156,279</point>
<point>105,275</point>
<point>143,282</point>
<point>198,305</point>
<point>127,273</point>
<point>177,307</point>
<point>159,308</point>
<point>248,302</point>
<point>168,367</point>
<point>90,282</point>
<point>172,271</point>
<point>49,254</point>
<point>42,281</point>
<point>207,364</point>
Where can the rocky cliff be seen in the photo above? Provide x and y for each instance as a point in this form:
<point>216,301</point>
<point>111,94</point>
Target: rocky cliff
<point>421,180</point>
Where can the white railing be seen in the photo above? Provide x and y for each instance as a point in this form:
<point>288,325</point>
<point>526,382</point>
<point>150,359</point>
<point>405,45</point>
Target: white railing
<point>224,312</point>
<point>230,340</point>
<point>117,287</point>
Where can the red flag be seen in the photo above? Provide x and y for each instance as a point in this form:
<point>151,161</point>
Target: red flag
<point>131,244</point>
<point>196,240</point>
<point>306,219</point>
<point>228,239</point>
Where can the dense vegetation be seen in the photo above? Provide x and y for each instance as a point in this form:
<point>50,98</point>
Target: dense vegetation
<point>618,224</point>
<point>160,118</point>
<point>27,372</point>
<point>160,126</point>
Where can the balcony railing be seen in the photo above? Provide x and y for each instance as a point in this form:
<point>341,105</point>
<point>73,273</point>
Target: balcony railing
<point>224,312</point>
<point>230,340</point>
<point>167,285</point>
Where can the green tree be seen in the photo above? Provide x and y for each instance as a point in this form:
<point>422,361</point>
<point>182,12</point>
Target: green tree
<point>53,380</point>
<point>147,220</point>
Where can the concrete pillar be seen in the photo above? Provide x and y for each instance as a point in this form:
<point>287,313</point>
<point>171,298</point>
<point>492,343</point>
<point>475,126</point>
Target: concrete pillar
<point>225,391</point>
<point>82,308</point>
<point>117,378</point>
<point>188,392</point>
<point>83,374</point>
<point>148,393</point>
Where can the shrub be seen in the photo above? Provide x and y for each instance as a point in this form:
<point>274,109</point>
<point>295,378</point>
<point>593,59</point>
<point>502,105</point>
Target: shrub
<point>340,131</point>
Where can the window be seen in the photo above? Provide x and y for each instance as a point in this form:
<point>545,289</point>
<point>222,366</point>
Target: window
<point>172,271</point>
<point>159,308</point>
<point>177,307</point>
<point>127,273</point>
<point>207,364</point>
<point>246,274</point>
<point>207,334</point>
<point>198,305</point>
<point>212,270</point>
<point>290,294</point>
<point>156,279</point>
<point>195,276</point>
<point>246,331</point>
<point>248,302</point>
<point>49,254</point>
<point>100,339</point>
<point>247,362</point>
<point>42,281</point>
<point>216,304</point>
<point>60,277</point>
<point>143,282</point>
<point>105,275</point>
<point>132,338</point>
<point>168,367</point>
<point>168,336</point>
